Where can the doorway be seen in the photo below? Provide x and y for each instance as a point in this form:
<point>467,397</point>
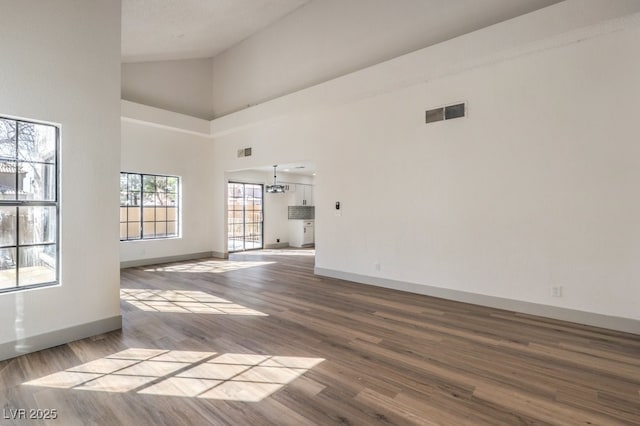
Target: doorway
<point>245,223</point>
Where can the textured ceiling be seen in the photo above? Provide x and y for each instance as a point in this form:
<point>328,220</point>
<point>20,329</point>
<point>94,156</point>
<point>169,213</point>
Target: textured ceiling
<point>154,30</point>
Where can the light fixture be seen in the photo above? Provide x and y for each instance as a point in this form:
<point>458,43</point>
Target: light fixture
<point>275,188</point>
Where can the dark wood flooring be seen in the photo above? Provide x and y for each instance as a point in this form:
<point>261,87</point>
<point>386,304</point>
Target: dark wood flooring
<point>260,340</point>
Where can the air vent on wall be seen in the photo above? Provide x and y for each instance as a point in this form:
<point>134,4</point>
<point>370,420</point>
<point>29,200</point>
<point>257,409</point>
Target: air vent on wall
<point>448,112</point>
<point>244,152</point>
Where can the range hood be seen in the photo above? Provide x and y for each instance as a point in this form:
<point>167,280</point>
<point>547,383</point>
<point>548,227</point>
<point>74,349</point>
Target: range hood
<point>275,188</point>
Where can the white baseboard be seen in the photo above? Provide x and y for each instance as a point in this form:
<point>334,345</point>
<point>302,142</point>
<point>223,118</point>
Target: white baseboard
<point>169,259</point>
<point>58,337</point>
<point>220,254</point>
<point>276,245</point>
<point>627,325</point>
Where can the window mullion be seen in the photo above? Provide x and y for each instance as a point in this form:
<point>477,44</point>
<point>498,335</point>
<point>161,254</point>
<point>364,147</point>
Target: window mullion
<point>141,218</point>
<point>16,191</point>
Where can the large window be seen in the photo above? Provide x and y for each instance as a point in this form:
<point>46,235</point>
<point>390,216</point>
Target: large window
<point>28,204</point>
<point>149,206</point>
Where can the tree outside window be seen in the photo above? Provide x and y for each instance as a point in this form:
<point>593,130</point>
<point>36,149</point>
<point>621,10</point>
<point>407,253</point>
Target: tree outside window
<point>28,204</point>
<point>149,206</point>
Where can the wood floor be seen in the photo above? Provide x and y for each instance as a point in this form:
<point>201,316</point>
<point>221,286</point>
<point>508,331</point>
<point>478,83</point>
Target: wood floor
<point>260,340</point>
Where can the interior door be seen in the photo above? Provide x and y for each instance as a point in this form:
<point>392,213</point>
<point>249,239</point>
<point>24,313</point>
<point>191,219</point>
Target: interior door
<point>245,216</point>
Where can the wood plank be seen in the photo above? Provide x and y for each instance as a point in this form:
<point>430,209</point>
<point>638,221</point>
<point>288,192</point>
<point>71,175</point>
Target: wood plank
<point>382,357</point>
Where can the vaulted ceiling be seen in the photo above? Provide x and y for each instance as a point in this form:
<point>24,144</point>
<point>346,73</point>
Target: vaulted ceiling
<point>156,30</point>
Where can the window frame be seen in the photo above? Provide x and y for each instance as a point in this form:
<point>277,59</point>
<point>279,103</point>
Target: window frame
<point>141,220</point>
<point>21,203</point>
<point>244,215</point>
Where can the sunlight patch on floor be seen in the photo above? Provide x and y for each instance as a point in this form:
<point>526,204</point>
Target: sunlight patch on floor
<point>230,376</point>
<point>279,252</point>
<point>212,266</point>
<point>183,301</point>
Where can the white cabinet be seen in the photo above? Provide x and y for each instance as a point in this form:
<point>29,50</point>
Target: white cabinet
<point>308,196</point>
<point>304,195</point>
<point>308,237</point>
<point>301,233</point>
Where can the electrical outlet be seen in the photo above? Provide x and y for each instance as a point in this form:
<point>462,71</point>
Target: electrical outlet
<point>556,291</point>
<point>277,240</point>
<point>377,266</point>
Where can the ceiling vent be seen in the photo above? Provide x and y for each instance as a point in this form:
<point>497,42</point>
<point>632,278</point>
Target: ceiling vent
<point>448,112</point>
<point>244,152</point>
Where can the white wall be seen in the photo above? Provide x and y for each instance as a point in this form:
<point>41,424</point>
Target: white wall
<point>535,188</point>
<point>148,148</point>
<point>180,86</point>
<point>62,64</point>
<point>325,39</point>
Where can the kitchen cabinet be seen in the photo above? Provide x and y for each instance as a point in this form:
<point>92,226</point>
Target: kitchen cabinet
<point>304,195</point>
<point>301,233</point>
